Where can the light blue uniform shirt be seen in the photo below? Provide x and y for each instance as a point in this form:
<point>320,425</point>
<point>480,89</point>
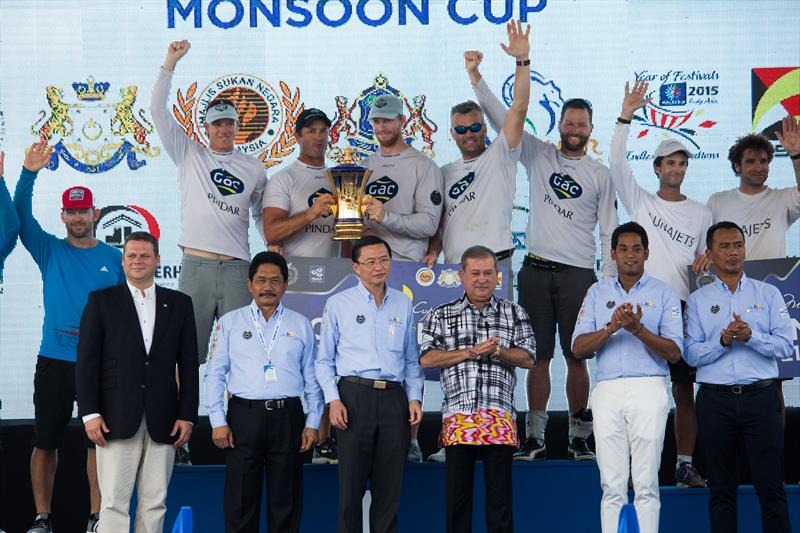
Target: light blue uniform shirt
<point>358,339</point>
<point>710,309</point>
<point>623,355</point>
<point>236,352</point>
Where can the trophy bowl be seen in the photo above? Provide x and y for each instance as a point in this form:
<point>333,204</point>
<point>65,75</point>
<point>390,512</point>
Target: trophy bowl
<point>348,182</point>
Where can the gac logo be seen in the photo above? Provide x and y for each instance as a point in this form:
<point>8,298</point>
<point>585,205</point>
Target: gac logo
<point>460,186</point>
<point>226,182</point>
<point>565,187</point>
<point>384,189</point>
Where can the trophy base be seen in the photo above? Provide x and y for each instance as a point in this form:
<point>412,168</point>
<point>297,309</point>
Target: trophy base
<point>348,231</point>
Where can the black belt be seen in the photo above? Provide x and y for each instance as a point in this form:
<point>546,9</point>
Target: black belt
<point>740,389</point>
<point>380,384</point>
<point>535,261</point>
<point>268,405</point>
<point>505,254</point>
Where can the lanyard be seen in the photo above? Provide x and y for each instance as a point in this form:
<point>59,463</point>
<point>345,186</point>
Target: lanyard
<point>267,349</point>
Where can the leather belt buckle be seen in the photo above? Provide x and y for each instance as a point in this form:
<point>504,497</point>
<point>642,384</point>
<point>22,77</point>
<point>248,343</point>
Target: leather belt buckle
<point>271,405</point>
<point>379,384</point>
<point>736,389</point>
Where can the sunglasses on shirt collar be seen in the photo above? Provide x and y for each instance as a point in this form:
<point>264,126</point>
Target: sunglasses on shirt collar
<point>474,128</point>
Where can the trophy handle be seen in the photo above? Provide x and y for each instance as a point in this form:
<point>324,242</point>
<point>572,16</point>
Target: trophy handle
<point>367,175</point>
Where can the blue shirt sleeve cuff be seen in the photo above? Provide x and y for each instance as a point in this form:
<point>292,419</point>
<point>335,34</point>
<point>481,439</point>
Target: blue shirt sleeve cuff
<point>313,420</point>
<point>217,419</point>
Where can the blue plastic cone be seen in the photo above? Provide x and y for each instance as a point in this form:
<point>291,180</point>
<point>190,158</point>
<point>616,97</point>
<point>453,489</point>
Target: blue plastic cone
<point>183,522</point>
<point>628,521</point>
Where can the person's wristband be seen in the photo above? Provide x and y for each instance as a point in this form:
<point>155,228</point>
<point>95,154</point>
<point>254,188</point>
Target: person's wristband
<point>607,329</point>
<point>636,333</point>
<point>795,157</point>
<point>524,63</point>
<point>621,120</point>
<point>496,353</point>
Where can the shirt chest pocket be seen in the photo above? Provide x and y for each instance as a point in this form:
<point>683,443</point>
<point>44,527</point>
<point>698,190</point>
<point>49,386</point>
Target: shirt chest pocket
<point>395,334</point>
<point>757,316</point>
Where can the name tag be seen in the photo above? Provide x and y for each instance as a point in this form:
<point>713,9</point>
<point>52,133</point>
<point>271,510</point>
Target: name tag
<point>270,374</point>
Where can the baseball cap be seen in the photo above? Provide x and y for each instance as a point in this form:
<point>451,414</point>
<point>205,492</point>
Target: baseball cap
<point>386,106</point>
<point>309,116</point>
<point>669,147</point>
<point>221,110</point>
<point>77,197</point>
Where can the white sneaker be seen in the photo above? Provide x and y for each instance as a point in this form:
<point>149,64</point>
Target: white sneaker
<point>438,457</point>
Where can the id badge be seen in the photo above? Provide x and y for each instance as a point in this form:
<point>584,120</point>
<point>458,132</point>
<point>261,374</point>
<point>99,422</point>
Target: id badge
<point>270,374</point>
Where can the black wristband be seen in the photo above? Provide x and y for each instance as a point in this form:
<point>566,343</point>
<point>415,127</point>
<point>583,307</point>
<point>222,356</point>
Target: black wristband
<point>795,156</point>
<point>524,63</point>
<point>623,120</point>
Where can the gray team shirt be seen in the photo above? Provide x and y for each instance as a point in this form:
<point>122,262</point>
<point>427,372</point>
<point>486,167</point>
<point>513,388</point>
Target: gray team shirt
<point>410,186</point>
<point>217,189</point>
<point>676,230</point>
<point>479,200</point>
<point>294,190</point>
<point>568,197</point>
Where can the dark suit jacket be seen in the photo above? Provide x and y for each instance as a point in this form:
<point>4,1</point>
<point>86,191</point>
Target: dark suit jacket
<point>118,379</point>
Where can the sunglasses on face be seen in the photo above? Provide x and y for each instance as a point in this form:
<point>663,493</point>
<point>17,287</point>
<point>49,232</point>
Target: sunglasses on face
<point>474,128</point>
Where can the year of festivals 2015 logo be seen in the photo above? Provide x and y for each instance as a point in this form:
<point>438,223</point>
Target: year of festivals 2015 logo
<point>680,99</point>
<point>775,92</point>
<point>266,115</point>
<point>350,122</point>
<point>93,134</point>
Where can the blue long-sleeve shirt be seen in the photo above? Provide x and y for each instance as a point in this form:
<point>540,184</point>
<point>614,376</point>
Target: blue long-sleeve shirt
<point>710,309</point>
<point>9,224</point>
<point>624,355</point>
<point>69,274</point>
<point>359,339</point>
<point>237,353</point>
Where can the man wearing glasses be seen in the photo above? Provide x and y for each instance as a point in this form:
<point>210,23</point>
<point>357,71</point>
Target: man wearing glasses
<point>569,194</point>
<point>479,188</point>
<point>369,341</point>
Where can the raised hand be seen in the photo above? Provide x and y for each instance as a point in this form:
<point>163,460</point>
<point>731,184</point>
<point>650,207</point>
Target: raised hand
<point>175,51</point>
<point>634,99</point>
<point>790,136</point>
<point>518,44</point>
<point>37,156</point>
<point>472,60</point>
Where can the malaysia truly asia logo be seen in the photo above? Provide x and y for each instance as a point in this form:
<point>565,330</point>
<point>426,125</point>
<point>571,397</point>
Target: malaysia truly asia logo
<point>775,93</point>
<point>680,99</point>
<point>93,134</point>
<point>266,116</point>
<point>351,127</point>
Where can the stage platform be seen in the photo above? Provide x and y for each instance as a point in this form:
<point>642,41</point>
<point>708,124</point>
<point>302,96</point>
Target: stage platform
<point>549,496</point>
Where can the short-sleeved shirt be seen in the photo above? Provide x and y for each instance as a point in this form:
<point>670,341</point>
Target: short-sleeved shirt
<point>294,190</point>
<point>410,186</point>
<point>764,217</point>
<point>479,200</point>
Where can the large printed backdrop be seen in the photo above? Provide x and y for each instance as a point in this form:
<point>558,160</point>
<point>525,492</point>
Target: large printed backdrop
<point>81,72</point>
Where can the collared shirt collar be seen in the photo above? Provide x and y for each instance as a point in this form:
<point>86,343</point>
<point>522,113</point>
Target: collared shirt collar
<point>642,282</point>
<point>362,289</point>
<point>254,307</point>
<point>492,303</point>
<point>149,292</point>
<point>724,286</point>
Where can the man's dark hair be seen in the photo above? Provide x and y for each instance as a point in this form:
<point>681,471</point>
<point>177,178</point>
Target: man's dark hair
<point>753,141</point>
<point>629,227</point>
<point>465,107</point>
<point>268,258</point>
<point>477,252</point>
<point>369,240</point>
<point>141,236</point>
<point>577,103</point>
<point>723,224</point>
